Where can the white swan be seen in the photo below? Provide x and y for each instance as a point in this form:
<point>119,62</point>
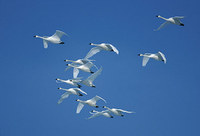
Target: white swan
<point>75,91</point>
<point>55,38</point>
<point>78,63</point>
<point>91,102</point>
<point>172,20</point>
<point>73,82</point>
<point>117,111</point>
<point>102,46</point>
<point>105,113</point>
<point>157,56</point>
<point>85,67</point>
<point>91,78</point>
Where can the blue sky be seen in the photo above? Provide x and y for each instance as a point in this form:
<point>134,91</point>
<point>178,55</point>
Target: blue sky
<point>165,97</point>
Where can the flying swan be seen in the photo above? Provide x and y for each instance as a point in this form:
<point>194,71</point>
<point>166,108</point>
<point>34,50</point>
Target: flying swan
<point>55,38</point>
<point>172,20</point>
<point>157,56</point>
<point>91,102</point>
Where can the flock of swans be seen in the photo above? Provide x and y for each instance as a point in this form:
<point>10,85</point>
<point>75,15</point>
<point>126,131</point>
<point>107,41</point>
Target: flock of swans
<point>85,64</point>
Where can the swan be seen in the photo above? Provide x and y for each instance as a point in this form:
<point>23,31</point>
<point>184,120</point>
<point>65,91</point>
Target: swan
<point>73,82</point>
<point>105,113</point>
<point>117,111</point>
<point>75,91</point>
<point>172,20</point>
<point>91,78</point>
<point>78,63</point>
<point>91,102</point>
<point>99,47</point>
<point>55,38</point>
<point>85,67</point>
<point>157,56</point>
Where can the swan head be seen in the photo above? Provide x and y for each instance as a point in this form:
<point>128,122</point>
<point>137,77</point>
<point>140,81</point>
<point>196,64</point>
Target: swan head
<point>91,43</point>
<point>104,106</point>
<point>181,24</point>
<point>77,100</point>
<point>35,36</point>
<point>91,72</point>
<point>59,88</point>
<point>56,78</point>
<point>158,16</point>
<point>93,86</point>
<point>139,54</point>
<point>111,116</point>
<point>66,60</point>
<point>97,106</point>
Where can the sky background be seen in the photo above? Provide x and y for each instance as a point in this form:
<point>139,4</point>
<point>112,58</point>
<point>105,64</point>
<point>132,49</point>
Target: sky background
<point>165,97</point>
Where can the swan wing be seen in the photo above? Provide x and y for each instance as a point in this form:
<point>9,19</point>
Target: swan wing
<point>178,17</point>
<point>114,49</point>
<point>125,111</point>
<point>96,98</point>
<point>45,44</point>
<point>58,34</point>
<point>145,60</point>
<point>96,114</point>
<point>79,107</point>
<point>93,51</point>
<point>78,89</point>
<point>94,76</point>
<point>162,25</point>
<point>75,72</point>
<point>162,56</point>
<point>89,64</point>
<point>64,96</point>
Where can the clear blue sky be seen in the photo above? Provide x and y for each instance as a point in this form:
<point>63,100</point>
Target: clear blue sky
<point>165,97</point>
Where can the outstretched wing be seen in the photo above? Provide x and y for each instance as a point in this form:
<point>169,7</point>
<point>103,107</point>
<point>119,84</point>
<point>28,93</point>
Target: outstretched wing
<point>89,64</point>
<point>94,76</point>
<point>64,96</point>
<point>79,107</point>
<point>96,98</point>
<point>178,17</point>
<point>162,56</point>
<point>75,72</point>
<point>114,49</point>
<point>145,60</point>
<point>125,111</point>
<point>93,51</point>
<point>45,44</point>
<point>96,114</point>
<point>162,25</point>
<point>77,89</point>
<point>58,34</point>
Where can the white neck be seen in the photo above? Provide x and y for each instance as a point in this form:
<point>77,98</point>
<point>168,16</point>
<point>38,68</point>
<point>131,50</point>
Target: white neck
<point>162,17</point>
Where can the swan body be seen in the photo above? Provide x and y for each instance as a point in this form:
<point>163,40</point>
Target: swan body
<point>91,78</point>
<point>91,102</point>
<point>75,91</point>
<point>99,47</point>
<point>117,112</point>
<point>74,82</point>
<point>157,56</point>
<point>172,20</point>
<point>78,65</point>
<point>55,38</point>
<point>85,67</point>
<point>105,113</point>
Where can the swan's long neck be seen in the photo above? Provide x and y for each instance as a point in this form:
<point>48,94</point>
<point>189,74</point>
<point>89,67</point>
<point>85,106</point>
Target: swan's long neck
<point>162,17</point>
<point>39,37</point>
<point>69,60</point>
<point>107,108</point>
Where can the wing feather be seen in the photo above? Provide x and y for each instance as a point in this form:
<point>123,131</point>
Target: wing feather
<point>79,107</point>
<point>45,44</point>
<point>93,51</point>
